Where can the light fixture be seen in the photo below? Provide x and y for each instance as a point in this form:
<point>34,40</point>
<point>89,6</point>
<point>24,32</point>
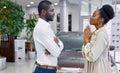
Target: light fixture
<point>31,2</point>
<point>118,6</point>
<point>28,5</point>
<point>55,4</point>
<point>4,7</point>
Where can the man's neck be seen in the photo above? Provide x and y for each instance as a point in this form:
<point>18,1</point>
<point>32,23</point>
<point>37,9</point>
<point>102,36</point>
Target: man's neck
<point>42,17</point>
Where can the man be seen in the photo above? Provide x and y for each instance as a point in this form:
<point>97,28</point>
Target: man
<point>48,46</point>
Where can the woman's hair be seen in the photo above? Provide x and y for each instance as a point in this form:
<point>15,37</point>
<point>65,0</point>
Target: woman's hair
<point>107,13</point>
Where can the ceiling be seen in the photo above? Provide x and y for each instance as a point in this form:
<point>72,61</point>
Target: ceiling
<point>24,3</point>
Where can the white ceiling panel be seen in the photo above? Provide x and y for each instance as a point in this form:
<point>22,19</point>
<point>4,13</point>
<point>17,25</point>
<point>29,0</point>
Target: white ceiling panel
<point>26,2</point>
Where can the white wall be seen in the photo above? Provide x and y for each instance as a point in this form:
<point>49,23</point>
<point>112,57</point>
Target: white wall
<point>31,10</point>
<point>54,23</point>
<point>73,10</point>
<point>28,11</point>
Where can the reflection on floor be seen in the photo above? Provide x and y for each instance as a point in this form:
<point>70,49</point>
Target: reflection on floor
<point>118,67</point>
<point>19,67</point>
<point>28,66</point>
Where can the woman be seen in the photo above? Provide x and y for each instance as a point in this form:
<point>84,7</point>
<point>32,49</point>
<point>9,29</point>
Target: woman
<point>95,49</point>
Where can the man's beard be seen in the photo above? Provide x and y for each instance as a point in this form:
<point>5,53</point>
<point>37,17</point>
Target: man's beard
<point>48,17</point>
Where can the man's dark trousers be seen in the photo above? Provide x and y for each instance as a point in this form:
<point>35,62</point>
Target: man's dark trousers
<point>42,70</point>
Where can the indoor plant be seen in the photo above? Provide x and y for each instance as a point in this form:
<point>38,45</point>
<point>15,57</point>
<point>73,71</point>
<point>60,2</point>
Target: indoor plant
<point>11,18</point>
<point>30,24</point>
<point>11,24</point>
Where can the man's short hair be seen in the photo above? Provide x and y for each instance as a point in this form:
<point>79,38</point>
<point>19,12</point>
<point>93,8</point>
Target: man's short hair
<point>45,4</point>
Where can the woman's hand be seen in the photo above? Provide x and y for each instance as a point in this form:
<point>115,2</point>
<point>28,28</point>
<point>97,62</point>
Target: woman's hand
<point>87,35</point>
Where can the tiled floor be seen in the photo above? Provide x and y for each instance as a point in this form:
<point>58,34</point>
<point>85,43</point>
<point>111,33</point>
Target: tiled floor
<point>28,66</point>
<point>19,67</point>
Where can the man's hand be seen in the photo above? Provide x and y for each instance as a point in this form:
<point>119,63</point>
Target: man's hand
<point>47,52</point>
<point>56,40</point>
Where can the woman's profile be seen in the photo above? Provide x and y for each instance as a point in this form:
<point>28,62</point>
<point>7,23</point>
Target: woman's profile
<point>95,49</point>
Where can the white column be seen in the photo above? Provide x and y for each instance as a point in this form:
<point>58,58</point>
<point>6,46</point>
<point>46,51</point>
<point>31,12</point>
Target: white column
<point>115,5</point>
<point>101,3</point>
<point>63,16</point>
<point>80,17</point>
<point>90,9</point>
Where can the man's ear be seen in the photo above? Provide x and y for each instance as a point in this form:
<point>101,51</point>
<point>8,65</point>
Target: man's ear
<point>43,12</point>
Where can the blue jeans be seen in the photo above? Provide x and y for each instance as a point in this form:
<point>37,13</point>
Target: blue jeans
<point>42,70</point>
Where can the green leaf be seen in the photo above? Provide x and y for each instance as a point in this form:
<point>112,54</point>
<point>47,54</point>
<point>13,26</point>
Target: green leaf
<point>30,24</point>
<point>11,18</point>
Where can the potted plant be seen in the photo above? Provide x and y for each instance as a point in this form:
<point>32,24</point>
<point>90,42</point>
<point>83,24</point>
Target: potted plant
<point>30,24</point>
<point>11,24</point>
<point>11,18</point>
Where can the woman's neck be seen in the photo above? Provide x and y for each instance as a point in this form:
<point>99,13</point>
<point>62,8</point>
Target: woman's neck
<point>99,26</point>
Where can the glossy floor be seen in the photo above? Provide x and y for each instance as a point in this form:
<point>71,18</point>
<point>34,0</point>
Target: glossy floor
<point>28,66</point>
<point>19,67</point>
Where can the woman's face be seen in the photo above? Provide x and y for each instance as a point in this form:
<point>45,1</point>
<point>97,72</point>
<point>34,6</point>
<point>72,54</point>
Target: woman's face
<point>95,18</point>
